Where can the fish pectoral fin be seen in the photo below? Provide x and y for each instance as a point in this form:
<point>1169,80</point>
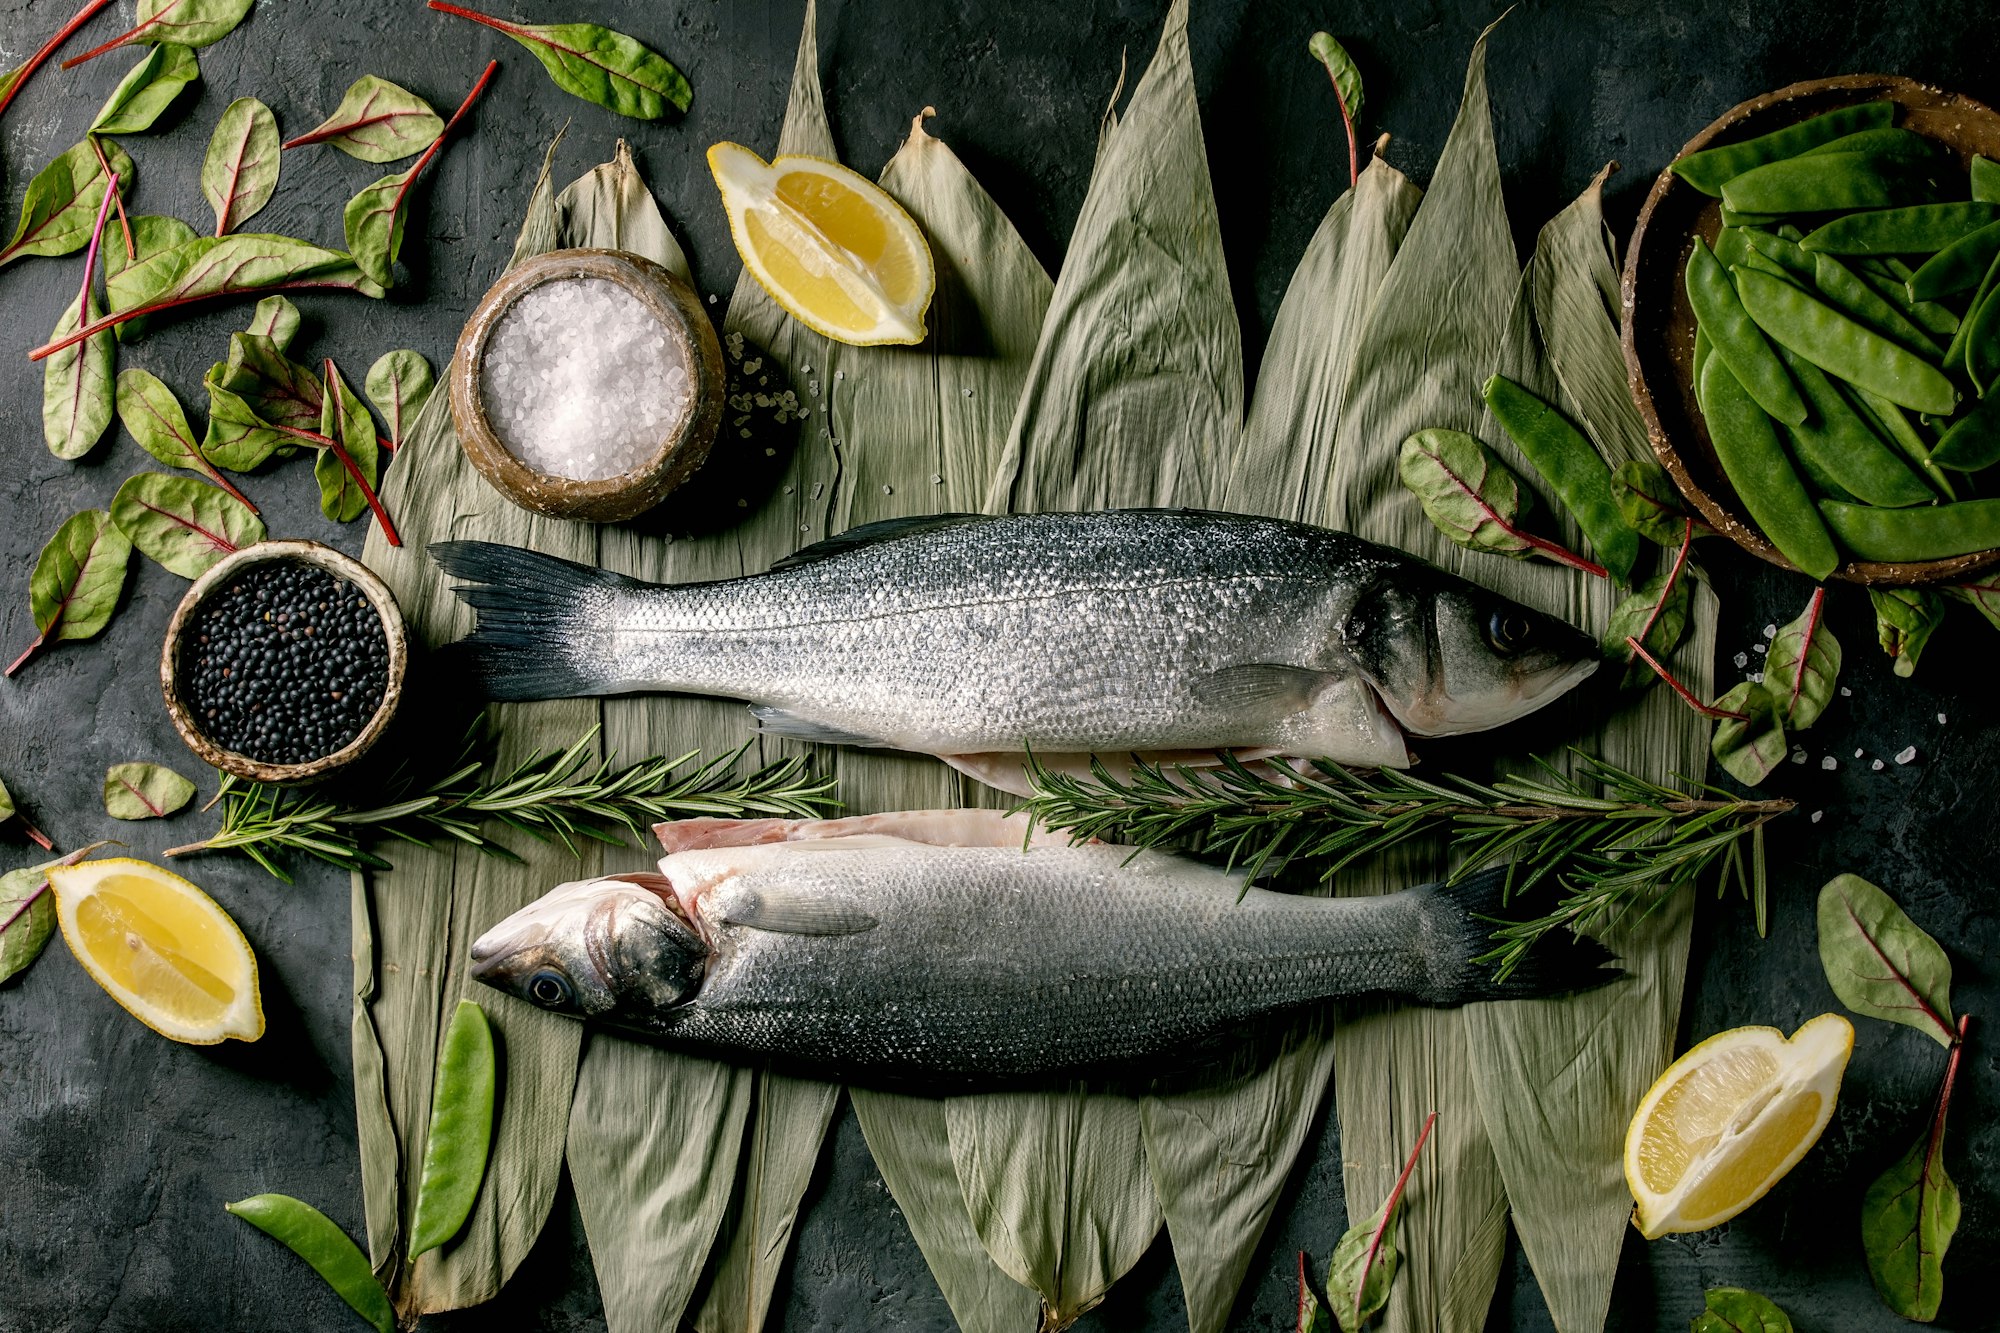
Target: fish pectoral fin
<point>1261,687</point>
<point>778,722</point>
<point>785,913</point>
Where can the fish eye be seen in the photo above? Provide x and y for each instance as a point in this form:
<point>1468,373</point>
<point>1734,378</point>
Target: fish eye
<point>548,989</point>
<point>1509,631</point>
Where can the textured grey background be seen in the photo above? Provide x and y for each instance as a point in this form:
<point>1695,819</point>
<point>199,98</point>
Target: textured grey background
<point>117,1148</point>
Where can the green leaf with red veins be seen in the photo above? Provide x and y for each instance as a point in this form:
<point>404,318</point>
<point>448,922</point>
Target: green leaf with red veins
<point>617,72</point>
<point>1661,602</point>
<point>237,438</point>
<point>1803,666</point>
<point>182,524</point>
<point>74,589</point>
<point>1983,597</point>
<point>144,95</point>
<point>59,210</point>
<point>1751,746</point>
<point>144,791</point>
<point>187,22</point>
<point>1905,619</point>
<point>277,319</point>
<point>240,174</point>
<point>76,387</point>
<point>1650,503</point>
<point>1734,1310</point>
<point>1880,963</point>
<point>27,918</point>
<point>278,389</point>
<point>150,236</point>
<point>377,121</point>
<point>373,224</point>
<point>345,418</point>
<point>399,384</point>
<point>152,415</point>
<point>1464,489</point>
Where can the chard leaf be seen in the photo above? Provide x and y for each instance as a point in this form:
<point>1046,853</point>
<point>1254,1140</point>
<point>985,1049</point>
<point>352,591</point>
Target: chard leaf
<point>187,22</point>
<point>76,385</point>
<point>27,918</point>
<point>144,791</point>
<point>1356,1290</point>
<point>617,72</point>
<point>1663,601</point>
<point>1880,963</point>
<point>1734,1310</point>
<point>1340,67</point>
<point>376,121</point>
<point>1803,666</point>
<point>238,439</point>
<point>1649,502</point>
<point>153,417</point>
<point>60,208</point>
<point>1749,747</point>
<point>373,224</point>
<point>399,384</point>
<point>146,93</point>
<point>7,810</point>
<point>1983,597</point>
<point>183,524</point>
<point>345,483</point>
<point>1905,619</point>
<point>1908,1218</point>
<point>275,318</point>
<point>150,236</point>
<point>1466,491</point>
<point>240,173</point>
<point>74,589</point>
<point>278,389</point>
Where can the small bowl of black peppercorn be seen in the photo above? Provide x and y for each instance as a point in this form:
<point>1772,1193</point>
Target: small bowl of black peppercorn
<point>284,662</point>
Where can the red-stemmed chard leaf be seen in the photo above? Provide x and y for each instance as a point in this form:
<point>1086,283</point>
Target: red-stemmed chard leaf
<point>10,812</point>
<point>1803,665</point>
<point>11,81</point>
<point>1473,499</point>
<point>184,525</point>
<point>1911,1213</point>
<point>373,219</point>
<point>186,22</point>
<point>347,469</point>
<point>240,173</point>
<point>377,121</point>
<point>144,791</point>
<point>60,206</point>
<point>399,384</point>
<point>1364,1263</point>
<point>1879,962</point>
<point>74,590</point>
<point>153,416</point>
<point>617,72</point>
<point>1340,68</point>
<point>76,383</point>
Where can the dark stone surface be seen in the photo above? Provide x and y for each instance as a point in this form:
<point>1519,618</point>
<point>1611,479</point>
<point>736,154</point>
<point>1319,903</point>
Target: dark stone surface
<point>119,1147</point>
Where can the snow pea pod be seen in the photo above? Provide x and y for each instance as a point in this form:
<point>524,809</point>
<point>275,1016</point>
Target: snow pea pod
<point>1703,348</point>
<point>1756,259</point>
<point>1708,169</point>
<point>1732,246</point>
<point>1986,180</point>
<point>1570,463</point>
<point>1885,141</point>
<point>1780,251</point>
<point>1973,442</point>
<point>1835,444</point>
<point>461,1130</point>
<point>1891,284</point>
<point>1929,533</point>
<point>1825,184</point>
<point>1746,444</point>
<point>314,1237</point>
<point>1737,339</point>
<point>1982,343</point>
<point>1838,284</point>
<point>1893,424</point>
<point>1954,355</point>
<point>1839,346</point>
<point>1919,229</point>
<point>1732,218</point>
<point>1958,267</point>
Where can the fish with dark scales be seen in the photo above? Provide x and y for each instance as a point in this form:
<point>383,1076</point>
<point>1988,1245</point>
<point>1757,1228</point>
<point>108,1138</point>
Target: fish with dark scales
<point>1169,633</point>
<point>951,944</point>
<point>285,663</point>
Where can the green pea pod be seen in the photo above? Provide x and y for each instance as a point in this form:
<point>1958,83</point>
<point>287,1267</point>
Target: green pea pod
<point>461,1131</point>
<point>1732,218</point>
<point>1986,180</point>
<point>1933,318</point>
<point>1732,246</point>
<point>1709,169</point>
<point>1893,424</point>
<point>1756,259</point>
<point>1703,347</point>
<point>1919,229</point>
<point>1841,452</point>
<point>1746,444</point>
<point>1958,267</point>
<point>1737,339</point>
<point>1819,481</point>
<point>1883,142</point>
<point>1781,251</point>
<point>1954,355</point>
<point>1973,441</point>
<point>1824,184</point>
<point>1982,343</point>
<point>313,1236</point>
<point>1928,533</point>
<point>1839,346</point>
<point>1843,289</point>
<point>1570,463</point>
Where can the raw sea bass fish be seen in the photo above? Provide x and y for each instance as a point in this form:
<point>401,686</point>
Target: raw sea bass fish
<point>977,638</point>
<point>933,944</point>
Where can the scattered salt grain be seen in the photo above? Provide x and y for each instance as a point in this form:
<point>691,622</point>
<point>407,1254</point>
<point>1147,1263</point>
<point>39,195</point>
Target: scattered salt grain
<point>1940,719</point>
<point>1799,755</point>
<point>1770,631</point>
<point>1846,693</point>
<point>805,370</point>
<point>937,479</point>
<point>1906,754</point>
<point>742,504</point>
<point>840,374</point>
<point>711,298</point>
<point>887,491</point>
<point>580,380</point>
<point>1876,766</point>
<point>1816,815</point>
<point>1859,753</point>
<point>1760,648</point>
<point>1829,763</point>
<point>968,393</point>
<point>1756,678</point>
<point>1742,659</point>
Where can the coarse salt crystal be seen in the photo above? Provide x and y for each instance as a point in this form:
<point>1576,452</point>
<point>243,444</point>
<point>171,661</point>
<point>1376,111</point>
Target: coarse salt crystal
<point>1742,659</point>
<point>887,491</point>
<point>1816,815</point>
<point>1876,766</point>
<point>1859,753</point>
<point>1940,719</point>
<point>1906,754</point>
<point>1799,755</point>
<point>1846,693</point>
<point>1829,763</point>
<point>1770,631</point>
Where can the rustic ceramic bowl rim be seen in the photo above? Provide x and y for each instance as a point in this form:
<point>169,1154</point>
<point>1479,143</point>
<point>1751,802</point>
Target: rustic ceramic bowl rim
<point>482,442</point>
<point>341,566</point>
<point>1736,526</point>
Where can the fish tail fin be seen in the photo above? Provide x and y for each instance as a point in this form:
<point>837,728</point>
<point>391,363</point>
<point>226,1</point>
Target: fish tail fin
<point>538,619</point>
<point>1460,921</point>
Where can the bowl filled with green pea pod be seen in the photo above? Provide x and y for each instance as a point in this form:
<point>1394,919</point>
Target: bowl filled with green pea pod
<point>1812,328</point>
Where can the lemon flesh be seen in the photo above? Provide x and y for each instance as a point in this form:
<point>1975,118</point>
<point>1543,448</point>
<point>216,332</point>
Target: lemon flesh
<point>829,245</point>
<point>1727,1120</point>
<point>162,948</point>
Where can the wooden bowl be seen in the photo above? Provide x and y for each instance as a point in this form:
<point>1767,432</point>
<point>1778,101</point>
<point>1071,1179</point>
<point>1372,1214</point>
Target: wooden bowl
<point>1659,325</point>
<point>629,494</point>
<point>341,567</point>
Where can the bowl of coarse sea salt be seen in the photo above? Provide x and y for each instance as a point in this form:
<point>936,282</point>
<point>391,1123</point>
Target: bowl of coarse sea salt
<point>588,384</point>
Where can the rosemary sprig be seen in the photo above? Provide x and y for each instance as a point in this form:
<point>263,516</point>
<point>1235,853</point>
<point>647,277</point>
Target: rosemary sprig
<point>549,796</point>
<point>1615,844</point>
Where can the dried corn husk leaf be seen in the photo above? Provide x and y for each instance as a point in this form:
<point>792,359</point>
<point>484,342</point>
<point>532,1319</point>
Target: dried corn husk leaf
<point>1428,344</point>
<point>1136,394</point>
<point>427,910</point>
<point>1556,1080</point>
<point>610,208</point>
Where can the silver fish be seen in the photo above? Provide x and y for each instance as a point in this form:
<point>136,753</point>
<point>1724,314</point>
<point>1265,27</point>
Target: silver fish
<point>935,944</point>
<point>977,638</point>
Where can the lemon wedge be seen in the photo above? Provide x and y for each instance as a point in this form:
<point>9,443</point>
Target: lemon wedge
<point>162,947</point>
<point>830,246</point>
<point>1729,1119</point>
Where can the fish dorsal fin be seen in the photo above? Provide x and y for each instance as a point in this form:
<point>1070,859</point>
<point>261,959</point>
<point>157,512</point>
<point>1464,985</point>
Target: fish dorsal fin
<point>870,534</point>
<point>1262,687</point>
<point>778,722</point>
<point>794,912</point>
